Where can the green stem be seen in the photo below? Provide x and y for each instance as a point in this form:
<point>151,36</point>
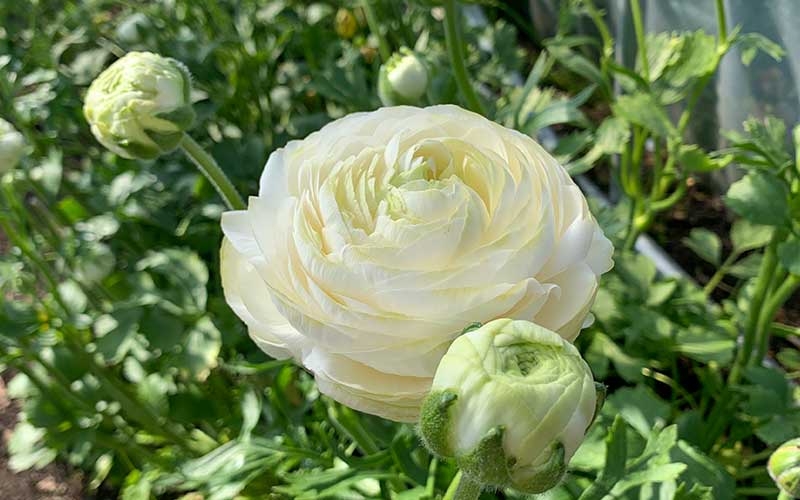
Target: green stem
<point>721,272</point>
<point>208,166</point>
<point>375,28</point>
<point>722,25</point>
<point>770,308</point>
<point>462,488</point>
<point>455,49</point>
<point>768,265</point>
<point>638,27</point>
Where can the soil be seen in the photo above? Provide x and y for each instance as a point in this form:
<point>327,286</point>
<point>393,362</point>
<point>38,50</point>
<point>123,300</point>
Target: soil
<point>54,482</point>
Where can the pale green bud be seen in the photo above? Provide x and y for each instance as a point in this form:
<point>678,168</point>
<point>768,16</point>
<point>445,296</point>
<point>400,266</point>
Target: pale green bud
<point>345,23</point>
<point>784,467</point>
<point>12,146</point>
<point>140,106</point>
<point>403,79</point>
<point>511,402</point>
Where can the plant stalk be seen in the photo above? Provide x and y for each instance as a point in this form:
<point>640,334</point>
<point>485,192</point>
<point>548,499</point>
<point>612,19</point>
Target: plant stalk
<point>768,265</point>
<point>375,28</point>
<point>770,308</point>
<point>211,170</point>
<point>462,488</point>
<point>638,27</point>
<point>455,49</point>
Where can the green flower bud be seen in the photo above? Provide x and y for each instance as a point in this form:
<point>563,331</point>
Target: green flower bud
<point>784,467</point>
<point>345,23</point>
<point>12,146</point>
<point>511,402</point>
<point>403,79</point>
<point>140,106</point>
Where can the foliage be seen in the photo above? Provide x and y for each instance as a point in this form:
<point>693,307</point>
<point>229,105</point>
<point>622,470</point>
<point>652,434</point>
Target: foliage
<point>130,366</point>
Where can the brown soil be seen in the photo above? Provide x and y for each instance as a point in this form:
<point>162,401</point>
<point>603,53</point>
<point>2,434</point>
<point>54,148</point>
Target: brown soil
<point>54,482</point>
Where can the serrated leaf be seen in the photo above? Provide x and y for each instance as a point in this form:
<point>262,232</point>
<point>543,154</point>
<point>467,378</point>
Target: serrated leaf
<point>644,110</point>
<point>698,57</point>
<point>694,159</point>
<point>760,198</point>
<point>750,44</point>
<point>640,408</point>
<point>705,244</point>
<point>747,236</point>
<point>789,255</point>
<point>200,351</point>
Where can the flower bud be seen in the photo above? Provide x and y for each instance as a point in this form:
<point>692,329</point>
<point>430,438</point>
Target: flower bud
<point>784,467</point>
<point>403,79</point>
<point>511,402</point>
<point>345,23</point>
<point>12,146</point>
<point>140,106</point>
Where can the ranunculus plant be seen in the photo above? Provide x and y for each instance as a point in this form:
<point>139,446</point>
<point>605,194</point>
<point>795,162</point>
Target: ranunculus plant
<point>510,402</point>
<point>372,243</point>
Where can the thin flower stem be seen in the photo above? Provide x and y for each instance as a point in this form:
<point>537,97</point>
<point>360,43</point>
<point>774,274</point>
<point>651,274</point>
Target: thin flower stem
<point>455,49</point>
<point>768,265</point>
<point>770,308</point>
<point>638,27</point>
<point>209,168</point>
<point>375,28</point>
<point>722,25</point>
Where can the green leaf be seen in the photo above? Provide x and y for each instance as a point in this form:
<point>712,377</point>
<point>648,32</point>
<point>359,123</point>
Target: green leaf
<point>663,50</point>
<point>789,254</point>
<point>629,368</point>
<point>760,198</point>
<point>27,449</point>
<point>705,244</point>
<point>640,408</point>
<point>186,274</point>
<point>694,159</point>
<point>747,236</point>
<point>614,467</point>
<point>698,57</point>
<point>706,344</point>
<point>251,412</point>
<point>200,351</point>
<point>611,137</point>
<point>750,44</point>
<point>644,110</point>
<point>116,334</point>
<point>73,296</point>
<point>703,471</point>
<point>137,487</point>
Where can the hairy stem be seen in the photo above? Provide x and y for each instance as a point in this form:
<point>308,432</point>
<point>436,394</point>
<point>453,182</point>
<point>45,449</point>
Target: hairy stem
<point>209,168</point>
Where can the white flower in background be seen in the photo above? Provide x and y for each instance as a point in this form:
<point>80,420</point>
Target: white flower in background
<point>12,146</point>
<point>403,79</point>
<point>373,241</point>
<point>511,402</point>
<point>140,106</point>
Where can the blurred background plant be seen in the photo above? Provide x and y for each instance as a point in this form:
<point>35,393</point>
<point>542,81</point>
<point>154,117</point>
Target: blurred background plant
<point>130,366</point>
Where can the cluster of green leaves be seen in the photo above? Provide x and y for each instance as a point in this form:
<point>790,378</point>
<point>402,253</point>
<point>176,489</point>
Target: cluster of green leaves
<point>130,365</point>
<point>125,358</point>
<point>670,69</point>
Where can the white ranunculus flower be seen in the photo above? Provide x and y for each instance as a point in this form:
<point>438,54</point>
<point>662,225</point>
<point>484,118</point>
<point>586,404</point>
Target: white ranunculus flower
<point>375,240</point>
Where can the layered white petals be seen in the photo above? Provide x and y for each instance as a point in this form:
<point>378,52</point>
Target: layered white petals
<point>374,241</point>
